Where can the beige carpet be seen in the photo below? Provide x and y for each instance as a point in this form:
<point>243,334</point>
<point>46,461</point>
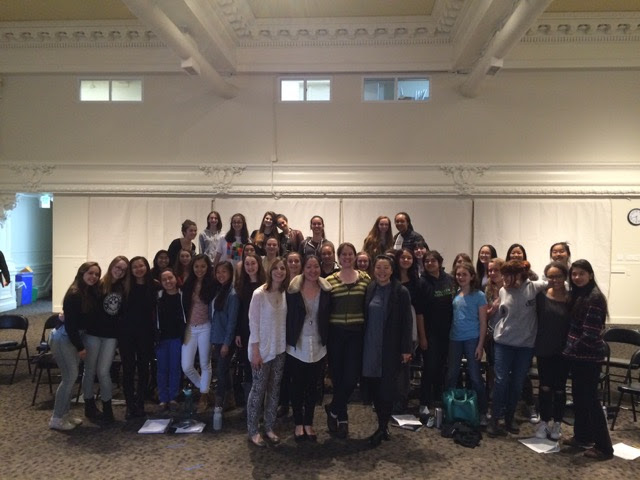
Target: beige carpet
<point>30,450</point>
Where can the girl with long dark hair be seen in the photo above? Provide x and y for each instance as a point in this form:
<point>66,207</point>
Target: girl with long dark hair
<point>136,334</point>
<point>198,292</point>
<point>80,304</point>
<point>585,351</point>
<point>100,339</point>
<point>224,315</point>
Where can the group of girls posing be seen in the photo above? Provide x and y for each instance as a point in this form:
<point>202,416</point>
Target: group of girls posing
<point>562,327</point>
<point>128,309</point>
<point>366,313</point>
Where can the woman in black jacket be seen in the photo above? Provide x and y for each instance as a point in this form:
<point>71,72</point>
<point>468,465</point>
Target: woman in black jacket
<point>308,310</point>
<point>387,340</point>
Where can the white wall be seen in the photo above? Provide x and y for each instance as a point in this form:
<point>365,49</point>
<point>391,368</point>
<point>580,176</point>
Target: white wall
<point>624,301</point>
<point>519,117</point>
<point>25,240</point>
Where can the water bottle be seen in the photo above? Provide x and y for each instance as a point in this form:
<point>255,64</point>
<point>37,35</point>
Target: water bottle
<point>188,402</point>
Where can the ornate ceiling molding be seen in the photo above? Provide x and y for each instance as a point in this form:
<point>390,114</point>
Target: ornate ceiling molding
<point>32,174</point>
<point>464,176</point>
<point>281,180</point>
<point>78,35</point>
<point>7,203</point>
<point>222,176</point>
<point>595,28</point>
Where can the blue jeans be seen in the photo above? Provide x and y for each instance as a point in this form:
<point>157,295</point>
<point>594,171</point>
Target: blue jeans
<point>66,357</point>
<point>222,371</point>
<point>169,370</point>
<point>457,348</point>
<point>100,353</point>
<point>511,368</point>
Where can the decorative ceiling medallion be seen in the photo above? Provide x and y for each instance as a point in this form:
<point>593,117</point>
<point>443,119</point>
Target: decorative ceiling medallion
<point>7,203</point>
<point>222,176</point>
<point>32,174</point>
<point>464,176</point>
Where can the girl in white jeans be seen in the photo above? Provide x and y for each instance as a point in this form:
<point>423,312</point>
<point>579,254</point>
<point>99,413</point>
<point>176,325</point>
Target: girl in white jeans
<point>198,292</point>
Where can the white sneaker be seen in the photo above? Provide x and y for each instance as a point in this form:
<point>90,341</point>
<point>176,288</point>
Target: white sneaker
<point>533,414</point>
<point>556,431</point>
<point>423,410</point>
<point>60,424</point>
<point>72,420</point>
<point>542,430</point>
<point>484,421</point>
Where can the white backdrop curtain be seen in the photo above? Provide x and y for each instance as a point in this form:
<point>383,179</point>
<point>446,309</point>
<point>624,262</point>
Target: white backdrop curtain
<point>133,226</point>
<point>537,224</point>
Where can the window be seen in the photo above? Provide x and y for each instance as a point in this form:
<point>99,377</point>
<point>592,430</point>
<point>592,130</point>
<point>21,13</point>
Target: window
<point>305,89</point>
<point>383,89</point>
<point>111,90</point>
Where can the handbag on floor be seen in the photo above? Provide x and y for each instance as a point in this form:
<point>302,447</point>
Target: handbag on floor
<point>461,405</point>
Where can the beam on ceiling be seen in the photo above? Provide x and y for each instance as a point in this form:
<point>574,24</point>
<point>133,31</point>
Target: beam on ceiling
<point>181,44</point>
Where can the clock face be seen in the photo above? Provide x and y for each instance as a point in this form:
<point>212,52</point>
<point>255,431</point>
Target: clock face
<point>634,216</point>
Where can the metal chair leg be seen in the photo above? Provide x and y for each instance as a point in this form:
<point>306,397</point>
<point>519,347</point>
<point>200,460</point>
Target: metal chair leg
<point>615,415</point>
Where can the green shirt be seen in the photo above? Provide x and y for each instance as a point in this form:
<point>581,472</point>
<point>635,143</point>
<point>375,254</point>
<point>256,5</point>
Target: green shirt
<point>347,300</point>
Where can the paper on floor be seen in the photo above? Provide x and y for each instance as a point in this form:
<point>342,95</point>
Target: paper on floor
<point>626,452</point>
<point>540,445</point>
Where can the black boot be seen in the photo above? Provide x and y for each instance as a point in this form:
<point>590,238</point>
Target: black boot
<point>90,409</point>
<point>107,412</point>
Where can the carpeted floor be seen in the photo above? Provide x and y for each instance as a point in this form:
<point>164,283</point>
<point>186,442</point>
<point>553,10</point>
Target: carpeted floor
<point>30,450</point>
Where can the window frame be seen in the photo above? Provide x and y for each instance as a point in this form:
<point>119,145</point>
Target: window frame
<point>111,80</point>
<point>396,78</point>
<point>305,79</point>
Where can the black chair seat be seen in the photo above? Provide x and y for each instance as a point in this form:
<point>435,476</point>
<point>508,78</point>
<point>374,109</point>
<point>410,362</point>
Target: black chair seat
<point>20,323</point>
<point>634,387</point>
<point>8,346</point>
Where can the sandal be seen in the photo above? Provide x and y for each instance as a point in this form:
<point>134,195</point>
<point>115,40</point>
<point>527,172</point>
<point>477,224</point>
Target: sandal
<point>257,441</point>
<point>273,438</point>
<point>595,454</point>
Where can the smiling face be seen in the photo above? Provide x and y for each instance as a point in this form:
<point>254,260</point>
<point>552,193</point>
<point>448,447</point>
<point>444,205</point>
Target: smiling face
<point>419,251</point>
<point>91,276</point>
<point>559,254</point>
<point>267,221</point>
<point>278,272</point>
<point>138,269</point>
<point>119,269</point>
<point>293,262</point>
<point>223,275</point>
<point>401,223</point>
<point>484,255</point>
<point>580,277</point>
<point>200,268</point>
<point>347,257</point>
<point>282,224</point>
<point>494,273</point>
<point>163,260</point>
<point>362,262</point>
<point>184,258</point>
<point>191,232</point>
<point>516,254</point>
<point>431,265</point>
<point>251,268</point>
<point>384,225</point>
<point>312,270</point>
<point>212,222</point>
<point>271,246</point>
<point>317,225</point>
<point>237,224</point>
<point>382,271</point>
<point>463,277</point>
<point>327,255</point>
<point>406,260</point>
<point>168,281</point>
<point>249,248</point>
<point>556,278</point>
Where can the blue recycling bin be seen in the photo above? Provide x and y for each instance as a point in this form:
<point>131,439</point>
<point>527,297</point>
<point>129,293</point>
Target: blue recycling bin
<point>27,279</point>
